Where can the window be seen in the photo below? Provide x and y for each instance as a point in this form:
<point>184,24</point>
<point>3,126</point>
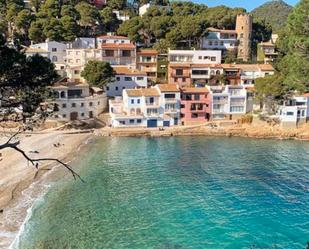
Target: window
<point>73,105</point>
<point>179,72</point>
<point>62,67</point>
<point>64,105</point>
<point>90,103</point>
<point>127,78</point>
<point>303,113</point>
<point>64,115</point>
<point>216,43</point>
<point>169,95</point>
<point>122,122</point>
<point>126,53</point>
<point>138,101</point>
<point>107,88</point>
<point>123,87</point>
<point>194,115</point>
<point>200,57</point>
<point>139,121</point>
<point>183,79</point>
<point>221,43</point>
<point>76,93</point>
<point>290,113</point>
<point>241,35</point>
<point>206,57</point>
<point>76,71</point>
<point>54,49</point>
<point>140,78</point>
<point>54,59</point>
<point>196,97</point>
<point>213,58</point>
<point>210,43</point>
<point>81,104</point>
<point>116,88</point>
<point>118,78</point>
<point>82,114</point>
<point>132,101</point>
<point>131,121</point>
<point>98,102</point>
<point>109,53</point>
<point>200,72</point>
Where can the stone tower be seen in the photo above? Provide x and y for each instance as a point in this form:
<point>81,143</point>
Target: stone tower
<point>244,35</point>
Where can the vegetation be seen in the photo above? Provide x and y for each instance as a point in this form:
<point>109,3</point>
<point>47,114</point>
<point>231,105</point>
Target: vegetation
<point>24,81</point>
<point>293,65</point>
<point>274,13</point>
<point>98,73</point>
<point>180,25</point>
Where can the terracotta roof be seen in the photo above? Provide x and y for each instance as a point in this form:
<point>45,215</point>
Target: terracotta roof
<point>195,90</point>
<point>266,67</point>
<point>65,82</point>
<point>118,45</point>
<point>147,92</point>
<point>206,65</point>
<point>35,50</point>
<point>222,30</point>
<point>127,71</point>
<point>113,37</point>
<point>148,52</point>
<point>306,94</point>
<point>168,87</point>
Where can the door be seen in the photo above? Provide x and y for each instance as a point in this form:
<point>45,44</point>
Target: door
<point>166,123</point>
<point>90,114</point>
<point>152,123</point>
<point>73,116</point>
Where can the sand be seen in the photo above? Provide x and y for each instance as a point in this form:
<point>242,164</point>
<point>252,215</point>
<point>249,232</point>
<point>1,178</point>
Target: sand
<point>17,177</point>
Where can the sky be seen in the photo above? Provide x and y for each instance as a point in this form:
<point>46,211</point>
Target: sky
<point>247,4</point>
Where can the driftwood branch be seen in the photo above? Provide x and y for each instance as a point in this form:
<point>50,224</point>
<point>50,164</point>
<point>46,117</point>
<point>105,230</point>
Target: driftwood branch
<point>35,161</point>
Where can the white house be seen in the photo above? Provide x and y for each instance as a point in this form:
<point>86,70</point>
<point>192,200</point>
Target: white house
<point>82,42</point>
<point>294,111</point>
<point>219,39</point>
<point>250,72</point>
<point>195,56</point>
<point>229,102</point>
<point>147,107</point>
<point>77,101</point>
<point>55,51</point>
<point>143,9</point>
<point>121,15</point>
<point>125,78</point>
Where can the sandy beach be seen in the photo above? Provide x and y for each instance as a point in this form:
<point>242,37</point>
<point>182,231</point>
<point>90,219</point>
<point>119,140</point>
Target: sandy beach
<point>19,182</point>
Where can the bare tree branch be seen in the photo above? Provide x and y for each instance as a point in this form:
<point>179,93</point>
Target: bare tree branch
<point>35,161</point>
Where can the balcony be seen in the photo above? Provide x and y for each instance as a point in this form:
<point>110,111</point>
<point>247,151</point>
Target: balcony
<point>184,75</point>
<point>171,100</point>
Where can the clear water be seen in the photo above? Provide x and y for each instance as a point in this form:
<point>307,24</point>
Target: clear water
<point>185,192</point>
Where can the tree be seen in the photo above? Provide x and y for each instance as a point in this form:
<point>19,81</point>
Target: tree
<point>117,4</point>
<point>109,19</point>
<point>89,17</point>
<point>24,85</point>
<point>294,65</point>
<point>98,73</point>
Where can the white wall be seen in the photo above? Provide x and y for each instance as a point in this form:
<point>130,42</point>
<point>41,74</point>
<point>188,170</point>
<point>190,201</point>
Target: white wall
<point>115,88</point>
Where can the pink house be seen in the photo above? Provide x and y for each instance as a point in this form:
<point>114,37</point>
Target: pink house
<point>195,105</point>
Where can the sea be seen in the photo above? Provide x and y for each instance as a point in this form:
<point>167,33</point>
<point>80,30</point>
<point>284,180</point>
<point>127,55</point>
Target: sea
<point>176,193</point>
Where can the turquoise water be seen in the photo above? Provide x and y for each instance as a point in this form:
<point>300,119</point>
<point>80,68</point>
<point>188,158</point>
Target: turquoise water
<point>184,192</point>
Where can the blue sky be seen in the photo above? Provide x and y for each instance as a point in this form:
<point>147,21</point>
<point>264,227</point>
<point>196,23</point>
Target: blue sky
<point>247,4</point>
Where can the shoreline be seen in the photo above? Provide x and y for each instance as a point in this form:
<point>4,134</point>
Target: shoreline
<point>257,131</point>
<point>18,197</point>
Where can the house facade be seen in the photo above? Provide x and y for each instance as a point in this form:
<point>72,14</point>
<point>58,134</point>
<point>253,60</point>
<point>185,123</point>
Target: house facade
<point>195,105</point>
<point>146,61</point>
<point>74,100</point>
<point>194,56</point>
<point>230,102</point>
<point>294,112</point>
<point>125,78</point>
<point>219,39</point>
<point>151,107</point>
<point>55,51</point>
<point>117,50</point>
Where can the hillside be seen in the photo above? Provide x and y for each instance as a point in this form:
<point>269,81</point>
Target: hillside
<point>273,12</point>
